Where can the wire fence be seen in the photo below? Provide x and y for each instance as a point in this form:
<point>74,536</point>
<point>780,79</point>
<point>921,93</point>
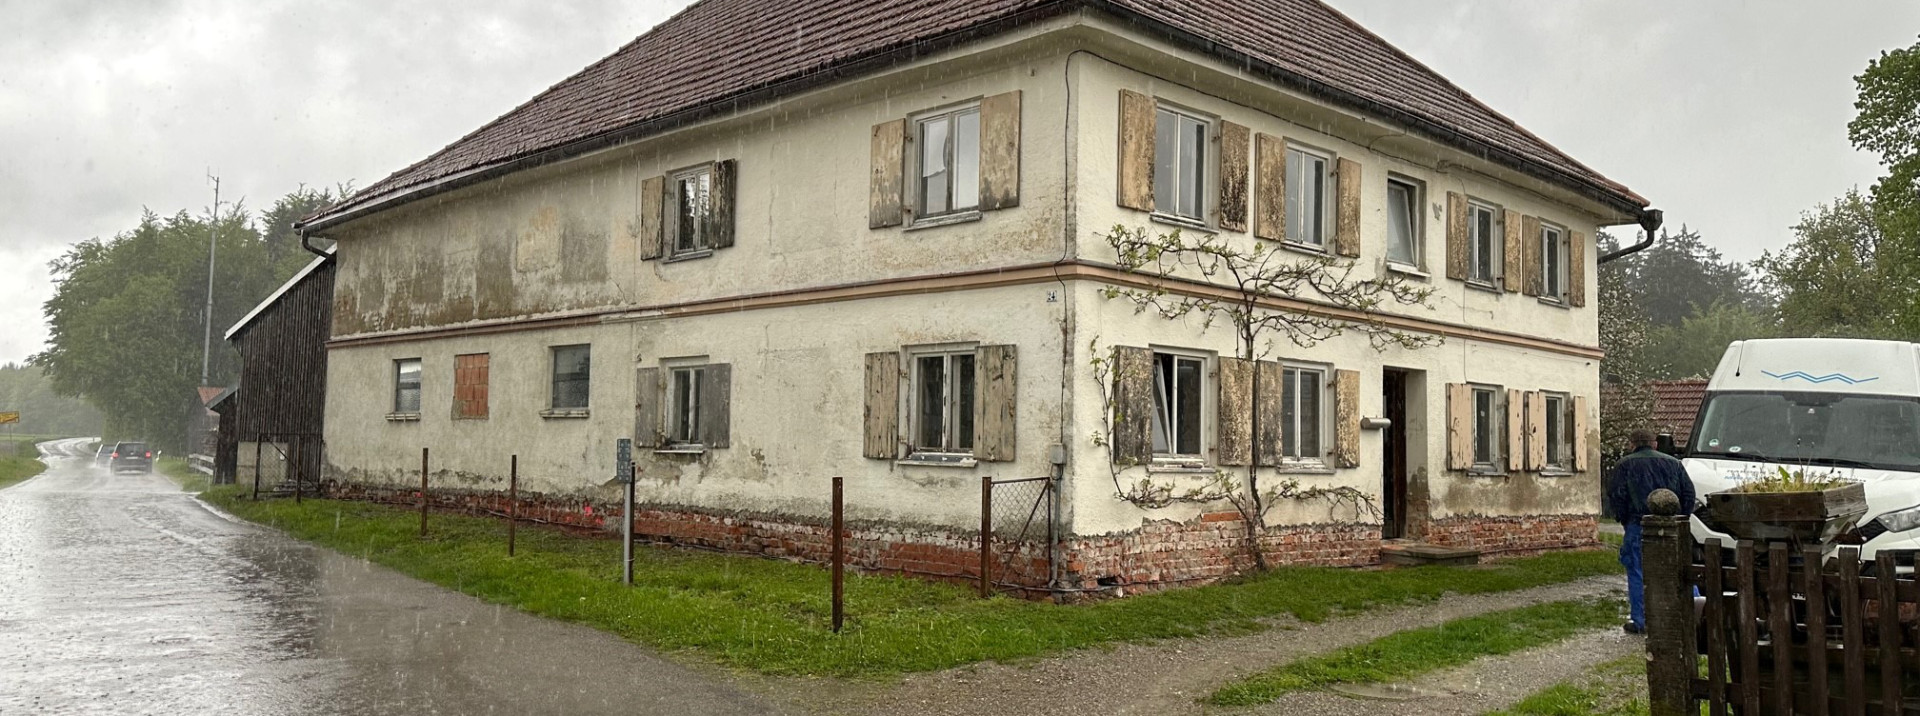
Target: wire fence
<point>1018,534</point>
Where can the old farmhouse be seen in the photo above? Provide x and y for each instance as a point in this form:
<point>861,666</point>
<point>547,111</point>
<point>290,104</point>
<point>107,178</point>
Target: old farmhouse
<point>780,242</point>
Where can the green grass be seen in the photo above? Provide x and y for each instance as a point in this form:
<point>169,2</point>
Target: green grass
<point>16,469</point>
<point>773,616</point>
<point>1413,652</point>
<point>176,469</point>
<point>1610,689</point>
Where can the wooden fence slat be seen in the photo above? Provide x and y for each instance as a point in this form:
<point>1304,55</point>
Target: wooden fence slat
<point>1780,626</point>
<point>1716,618</point>
<point>1889,597</point>
<point>1747,611</point>
<point>1816,631</point>
<point>1851,638</point>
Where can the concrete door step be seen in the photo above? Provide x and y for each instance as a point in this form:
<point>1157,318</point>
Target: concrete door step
<point>1414,554</point>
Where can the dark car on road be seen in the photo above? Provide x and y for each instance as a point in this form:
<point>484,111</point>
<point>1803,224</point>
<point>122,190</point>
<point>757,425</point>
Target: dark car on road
<point>129,456</point>
<point>104,455</point>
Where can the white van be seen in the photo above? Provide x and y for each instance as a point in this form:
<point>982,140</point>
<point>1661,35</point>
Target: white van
<point>1829,405</point>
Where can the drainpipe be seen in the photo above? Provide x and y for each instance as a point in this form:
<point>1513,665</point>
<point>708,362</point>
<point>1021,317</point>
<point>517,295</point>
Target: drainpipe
<point>306,243</point>
<point>1650,220</point>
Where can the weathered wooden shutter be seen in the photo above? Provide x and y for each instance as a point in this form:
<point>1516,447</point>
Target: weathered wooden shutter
<point>885,194</point>
<point>882,416</point>
<point>716,405</point>
<point>993,408</point>
<point>1530,255</point>
<point>1576,268</point>
<point>720,212</point>
<point>646,407</point>
<point>1132,437</point>
<point>1459,426</point>
<point>1000,151</point>
<point>1536,431</point>
<point>1268,378</point>
<point>653,220</point>
<point>1136,150</point>
<point>1516,430</point>
<point>1346,226</point>
<point>1234,407</point>
<point>1270,187</point>
<point>1512,252</point>
<point>1456,237</point>
<point>1234,141</point>
<point>1580,426</point>
<point>1346,417</point>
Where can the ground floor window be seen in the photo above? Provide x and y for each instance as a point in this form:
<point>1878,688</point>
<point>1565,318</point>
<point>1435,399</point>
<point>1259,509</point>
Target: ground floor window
<point>406,385</point>
<point>943,401</point>
<point>1302,395</point>
<point>1556,433</point>
<point>572,367</point>
<point>1177,398</point>
<point>1486,427</point>
<point>684,429</point>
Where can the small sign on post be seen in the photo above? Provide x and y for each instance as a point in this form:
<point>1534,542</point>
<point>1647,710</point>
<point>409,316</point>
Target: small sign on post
<point>9,418</point>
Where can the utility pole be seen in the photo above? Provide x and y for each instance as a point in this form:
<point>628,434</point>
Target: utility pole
<point>213,234</point>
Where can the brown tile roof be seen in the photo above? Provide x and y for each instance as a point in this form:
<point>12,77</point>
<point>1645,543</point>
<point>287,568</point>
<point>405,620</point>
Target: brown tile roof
<point>1676,403</point>
<point>718,55</point>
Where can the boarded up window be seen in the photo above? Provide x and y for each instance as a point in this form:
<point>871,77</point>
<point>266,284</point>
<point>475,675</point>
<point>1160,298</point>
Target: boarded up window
<point>994,410</point>
<point>470,386</point>
<point>881,419</point>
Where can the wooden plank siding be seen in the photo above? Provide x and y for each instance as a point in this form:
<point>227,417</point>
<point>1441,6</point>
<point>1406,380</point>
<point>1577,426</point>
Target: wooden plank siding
<point>283,367</point>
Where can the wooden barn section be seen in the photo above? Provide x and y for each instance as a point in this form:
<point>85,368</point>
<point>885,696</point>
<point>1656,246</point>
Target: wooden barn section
<point>275,414</point>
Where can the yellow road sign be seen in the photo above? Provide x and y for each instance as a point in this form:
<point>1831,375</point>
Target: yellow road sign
<point>6,418</point>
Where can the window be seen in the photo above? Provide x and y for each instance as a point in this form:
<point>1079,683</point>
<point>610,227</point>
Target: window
<point>470,386</point>
<point>1403,222</point>
<point>1177,395</point>
<point>1483,244</point>
<point>1179,164</point>
<point>1302,392</point>
<point>571,367</point>
<point>1555,433</point>
<point>1306,197</point>
<point>692,195</point>
<point>943,396</point>
<point>1486,428</point>
<point>949,177</point>
<point>1553,263</point>
<point>684,427</point>
<point>406,385</point>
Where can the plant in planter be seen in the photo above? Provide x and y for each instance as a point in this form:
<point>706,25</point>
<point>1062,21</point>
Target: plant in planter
<point>1797,506</point>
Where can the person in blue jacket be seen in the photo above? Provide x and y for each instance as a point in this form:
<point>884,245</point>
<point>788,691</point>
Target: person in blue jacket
<point>1634,477</point>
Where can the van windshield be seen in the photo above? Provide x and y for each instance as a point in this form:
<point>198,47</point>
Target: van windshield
<point>1837,429</point>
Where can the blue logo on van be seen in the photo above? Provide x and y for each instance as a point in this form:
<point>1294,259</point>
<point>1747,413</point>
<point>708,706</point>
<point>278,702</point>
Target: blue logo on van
<point>1828,378</point>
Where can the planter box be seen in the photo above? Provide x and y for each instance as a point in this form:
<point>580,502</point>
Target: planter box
<point>1806,518</point>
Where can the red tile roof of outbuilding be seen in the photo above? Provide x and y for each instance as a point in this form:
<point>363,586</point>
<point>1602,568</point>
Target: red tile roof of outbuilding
<point>1676,403</point>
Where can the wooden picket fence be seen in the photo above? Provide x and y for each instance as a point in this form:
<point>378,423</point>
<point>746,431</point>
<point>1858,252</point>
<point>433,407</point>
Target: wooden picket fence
<point>1782,633</point>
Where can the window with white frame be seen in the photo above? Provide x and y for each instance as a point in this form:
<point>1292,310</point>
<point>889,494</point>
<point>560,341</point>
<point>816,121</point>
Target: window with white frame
<point>572,369</point>
<point>692,205</point>
<point>1483,242</point>
<point>1403,222</point>
<point>1302,417</point>
<point>1553,262</point>
<point>1180,164</point>
<point>1556,433</point>
<point>1178,396</point>
<point>943,395</point>
<point>1487,418</point>
<point>406,386</point>
<point>683,423</point>
<point>948,180</point>
<point>1307,196</point>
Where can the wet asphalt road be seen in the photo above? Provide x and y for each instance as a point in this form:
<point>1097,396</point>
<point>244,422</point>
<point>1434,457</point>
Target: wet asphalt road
<point>119,594</point>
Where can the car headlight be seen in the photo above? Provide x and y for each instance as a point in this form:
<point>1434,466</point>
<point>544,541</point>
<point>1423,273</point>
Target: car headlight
<point>1901,520</point>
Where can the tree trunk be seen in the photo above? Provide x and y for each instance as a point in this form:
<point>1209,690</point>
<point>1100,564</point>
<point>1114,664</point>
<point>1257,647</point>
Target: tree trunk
<point>1255,517</point>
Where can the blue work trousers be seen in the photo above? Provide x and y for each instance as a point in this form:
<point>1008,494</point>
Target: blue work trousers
<point>1636,585</point>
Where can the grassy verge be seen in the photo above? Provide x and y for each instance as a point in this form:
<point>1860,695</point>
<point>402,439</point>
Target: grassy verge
<point>16,469</point>
<point>1615,688</point>
<point>176,469</point>
<point>773,616</point>
<point>1414,652</point>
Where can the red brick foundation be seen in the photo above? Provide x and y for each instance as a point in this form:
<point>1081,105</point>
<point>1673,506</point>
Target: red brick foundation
<point>1160,554</point>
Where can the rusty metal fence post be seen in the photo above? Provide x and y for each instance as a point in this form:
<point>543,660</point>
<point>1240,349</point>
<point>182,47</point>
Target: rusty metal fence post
<point>513,500</point>
<point>256,468</point>
<point>423,492</point>
<point>986,537</point>
<point>1666,552</point>
<point>839,556</point>
<point>299,466</point>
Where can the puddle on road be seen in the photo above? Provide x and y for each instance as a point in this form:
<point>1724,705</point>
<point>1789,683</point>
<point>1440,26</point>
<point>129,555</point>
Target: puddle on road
<point>1387,692</point>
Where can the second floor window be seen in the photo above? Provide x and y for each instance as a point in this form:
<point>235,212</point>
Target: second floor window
<point>572,367</point>
<point>943,396</point>
<point>406,385</point>
<point>1179,164</point>
<point>949,176</point>
<point>1403,223</point>
<point>692,194</point>
<point>1306,197</point>
<point>1483,242</point>
<point>1553,263</point>
<point>1177,395</point>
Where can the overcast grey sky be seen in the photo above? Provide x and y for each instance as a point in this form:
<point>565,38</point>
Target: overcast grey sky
<point>1731,116</point>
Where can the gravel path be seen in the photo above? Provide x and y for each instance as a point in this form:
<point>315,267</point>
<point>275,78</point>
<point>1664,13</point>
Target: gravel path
<point>1165,677</point>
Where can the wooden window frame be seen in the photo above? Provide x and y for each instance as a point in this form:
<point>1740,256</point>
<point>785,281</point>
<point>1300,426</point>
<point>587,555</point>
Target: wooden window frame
<point>1553,279</point>
<point>683,407</point>
<point>1559,412</point>
<point>400,385</point>
<point>916,162</point>
<point>1416,226</point>
<point>1203,181</point>
<point>1297,186</point>
<point>1170,414</point>
<point>554,378</point>
<point>701,244</point>
<point>1494,242</point>
<point>1491,432</point>
<point>949,450</point>
<point>1290,373</point>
